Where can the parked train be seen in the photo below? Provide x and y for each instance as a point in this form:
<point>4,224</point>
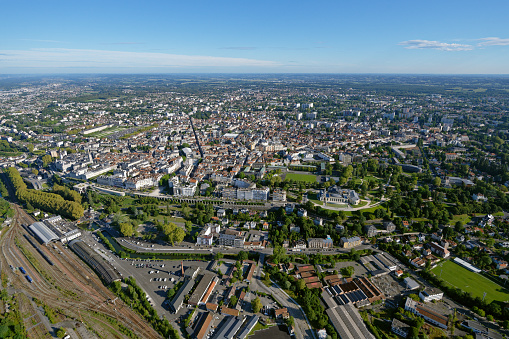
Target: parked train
<point>39,250</point>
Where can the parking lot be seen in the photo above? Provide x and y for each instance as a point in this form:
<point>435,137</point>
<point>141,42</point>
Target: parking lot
<point>359,270</point>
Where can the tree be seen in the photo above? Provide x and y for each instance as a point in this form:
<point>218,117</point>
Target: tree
<point>347,271</point>
<point>414,333</point>
<point>458,227</point>
<point>279,254</point>
<point>60,332</point>
<point>189,226</point>
<point>301,284</point>
<point>219,256</point>
<point>34,171</point>
<point>173,233</point>
<point>242,256</point>
<point>126,229</point>
<point>266,278</point>
<point>256,305</point>
<point>46,160</point>
<point>233,301</point>
<point>486,260</point>
<point>437,181</point>
<point>354,254</point>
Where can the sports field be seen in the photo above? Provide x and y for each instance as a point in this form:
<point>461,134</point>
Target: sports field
<point>106,132</point>
<point>470,282</point>
<point>301,177</point>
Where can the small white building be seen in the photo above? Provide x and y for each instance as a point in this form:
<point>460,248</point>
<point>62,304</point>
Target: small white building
<point>70,235</point>
<point>430,294</point>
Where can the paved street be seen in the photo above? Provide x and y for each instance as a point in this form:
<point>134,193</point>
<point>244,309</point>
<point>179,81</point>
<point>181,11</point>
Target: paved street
<point>302,329</point>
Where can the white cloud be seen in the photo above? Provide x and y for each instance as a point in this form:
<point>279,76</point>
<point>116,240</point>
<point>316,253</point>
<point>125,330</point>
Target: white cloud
<point>240,48</point>
<point>493,42</point>
<point>442,46</point>
<point>66,58</point>
<point>39,40</point>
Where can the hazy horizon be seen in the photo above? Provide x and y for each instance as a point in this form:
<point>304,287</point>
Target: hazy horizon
<point>363,37</point>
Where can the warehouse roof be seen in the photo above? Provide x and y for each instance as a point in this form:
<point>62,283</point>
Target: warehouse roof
<point>348,322</point>
<point>42,232</point>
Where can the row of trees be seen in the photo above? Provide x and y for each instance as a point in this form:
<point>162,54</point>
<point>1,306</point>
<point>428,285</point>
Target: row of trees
<point>133,295</point>
<point>49,202</point>
<point>465,298</point>
<point>67,193</point>
<point>308,299</point>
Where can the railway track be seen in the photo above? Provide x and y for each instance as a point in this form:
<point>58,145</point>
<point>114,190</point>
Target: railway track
<point>68,285</point>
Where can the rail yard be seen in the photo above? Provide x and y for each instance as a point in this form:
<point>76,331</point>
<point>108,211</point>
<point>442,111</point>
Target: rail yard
<point>64,287</point>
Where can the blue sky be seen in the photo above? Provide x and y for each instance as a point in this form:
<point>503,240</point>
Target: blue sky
<point>278,36</point>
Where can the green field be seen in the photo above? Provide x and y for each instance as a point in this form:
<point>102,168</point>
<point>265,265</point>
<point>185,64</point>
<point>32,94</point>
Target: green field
<point>301,177</point>
<point>314,198</point>
<point>464,218</point>
<point>361,204</point>
<point>471,282</point>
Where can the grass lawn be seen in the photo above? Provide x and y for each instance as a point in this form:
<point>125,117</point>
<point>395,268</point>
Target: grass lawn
<point>317,202</point>
<point>258,327</point>
<point>369,210</point>
<point>127,202</point>
<point>301,177</point>
<point>420,219</point>
<point>338,205</point>
<point>314,198</point>
<point>464,218</point>
<point>356,181</point>
<point>361,204</point>
<point>371,178</point>
<point>170,219</point>
<point>471,282</point>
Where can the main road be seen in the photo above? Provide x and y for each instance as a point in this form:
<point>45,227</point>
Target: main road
<point>302,327</point>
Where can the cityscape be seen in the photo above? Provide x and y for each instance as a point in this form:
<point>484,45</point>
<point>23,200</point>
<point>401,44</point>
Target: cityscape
<point>236,206</point>
<point>254,170</point>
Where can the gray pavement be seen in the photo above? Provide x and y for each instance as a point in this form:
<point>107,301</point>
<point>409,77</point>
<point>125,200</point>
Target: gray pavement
<point>302,327</point>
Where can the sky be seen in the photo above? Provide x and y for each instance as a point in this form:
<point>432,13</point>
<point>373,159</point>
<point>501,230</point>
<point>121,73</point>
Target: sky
<point>277,36</point>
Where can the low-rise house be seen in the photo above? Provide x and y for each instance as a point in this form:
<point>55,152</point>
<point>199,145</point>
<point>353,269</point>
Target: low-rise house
<point>300,244</point>
<point>371,231</point>
<point>479,197</point>
<point>437,237</point>
<point>282,313</point>
<point>440,250</point>
<point>400,328</point>
<point>301,212</point>
<point>417,262</point>
<point>389,226</point>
